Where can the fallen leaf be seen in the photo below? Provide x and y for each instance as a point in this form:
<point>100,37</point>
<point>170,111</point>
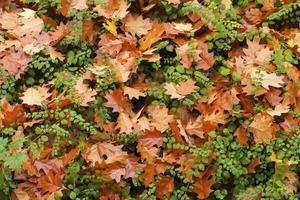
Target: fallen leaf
<point>261,127</point>
<point>164,187</point>
<point>50,183</point>
<point>133,93</point>
<point>34,96</point>
<point>161,118</point>
<point>186,88</point>
<point>136,25</point>
<point>252,165</point>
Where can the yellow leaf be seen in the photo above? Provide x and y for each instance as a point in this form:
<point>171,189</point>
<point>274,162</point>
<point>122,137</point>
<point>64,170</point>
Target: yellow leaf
<point>111,27</point>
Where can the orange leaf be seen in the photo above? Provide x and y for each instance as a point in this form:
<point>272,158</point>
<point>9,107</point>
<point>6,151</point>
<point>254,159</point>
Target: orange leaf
<point>187,87</point>
<point>87,31</point>
<point>148,175</point>
<point>69,157</point>
<point>164,186</point>
<point>50,183</point>
<point>117,101</point>
<point>65,6</point>
<point>153,36</point>
<point>241,135</point>
<point>203,185</point>
<point>12,115</point>
<point>262,128</point>
<point>252,165</point>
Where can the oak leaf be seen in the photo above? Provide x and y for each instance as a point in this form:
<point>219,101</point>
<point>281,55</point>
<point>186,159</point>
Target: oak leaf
<point>125,124</point>
<point>161,118</point>
<point>104,152</point>
<point>152,37</point>
<point>136,25</point>
<point>267,79</point>
<point>203,185</point>
<point>33,96</point>
<point>151,138</point>
<point>133,93</point>
<point>14,62</point>
<point>148,175</point>
<point>117,101</point>
<point>11,115</point>
<point>261,127</point>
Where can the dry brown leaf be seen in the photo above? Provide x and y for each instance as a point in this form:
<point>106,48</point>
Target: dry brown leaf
<point>152,37</point>
<point>33,96</point>
<point>124,123</point>
<point>252,165</point>
<point>261,127</point>
<point>160,118</point>
<point>186,88</point>
<point>136,25</point>
<point>133,93</point>
<point>117,101</point>
<point>241,135</point>
<point>171,90</point>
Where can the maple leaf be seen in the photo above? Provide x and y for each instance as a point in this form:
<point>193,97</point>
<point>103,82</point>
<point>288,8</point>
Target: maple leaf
<point>133,93</point>
<point>35,96</point>
<point>206,60</point>
<point>171,90</point>
<point>51,182</point>
<point>117,101</point>
<point>164,187</point>
<point>252,165</point>
<point>261,127</point>
<point>187,87</point>
<point>136,25</point>
<point>203,185</point>
<point>161,118</point>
